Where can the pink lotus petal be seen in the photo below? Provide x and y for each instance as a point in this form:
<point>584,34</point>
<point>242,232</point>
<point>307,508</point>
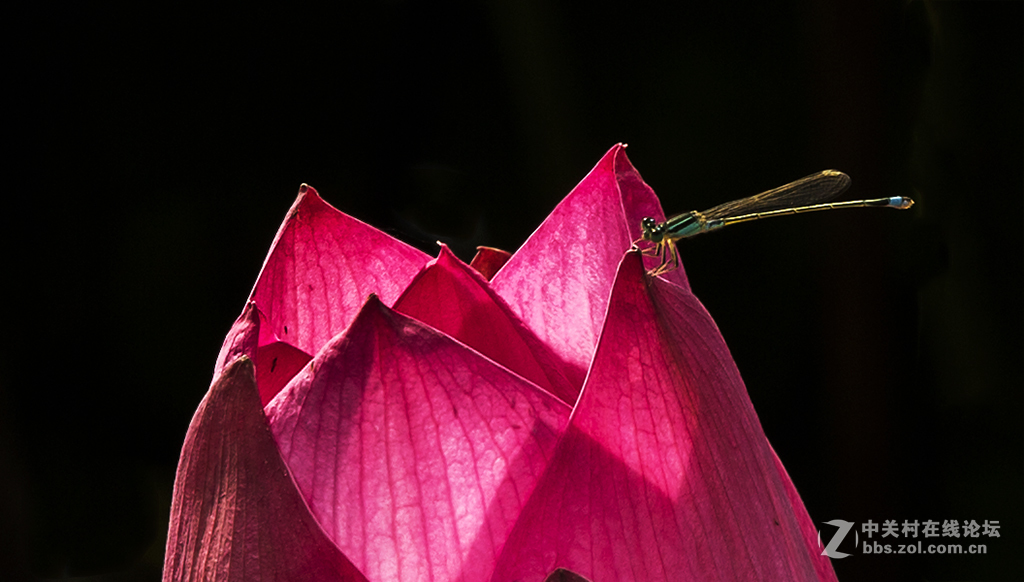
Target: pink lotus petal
<point>236,514</point>
<point>414,453</point>
<point>664,472</point>
<point>276,365</point>
<point>810,533</point>
<point>276,361</point>
<point>453,298</point>
<point>242,339</point>
<point>322,266</point>
<point>488,260</point>
<point>558,282</point>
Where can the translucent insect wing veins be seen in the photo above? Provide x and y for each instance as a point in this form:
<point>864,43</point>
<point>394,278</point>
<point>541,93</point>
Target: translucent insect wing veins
<point>812,189</point>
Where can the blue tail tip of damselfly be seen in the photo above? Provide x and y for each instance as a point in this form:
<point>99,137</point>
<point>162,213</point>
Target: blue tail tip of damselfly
<point>900,202</point>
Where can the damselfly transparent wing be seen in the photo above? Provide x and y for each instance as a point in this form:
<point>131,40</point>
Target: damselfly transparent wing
<point>812,189</point>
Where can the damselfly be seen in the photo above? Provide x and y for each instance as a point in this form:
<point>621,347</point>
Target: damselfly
<point>805,195</point>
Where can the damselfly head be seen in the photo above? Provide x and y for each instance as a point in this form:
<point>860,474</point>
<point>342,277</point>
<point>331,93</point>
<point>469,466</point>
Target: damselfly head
<point>652,231</point>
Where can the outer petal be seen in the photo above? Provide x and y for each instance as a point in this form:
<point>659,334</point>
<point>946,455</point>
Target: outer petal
<point>451,297</point>
<point>236,514</point>
<point>415,453</point>
<point>665,472</point>
<point>822,564</point>
<point>322,266</point>
<point>242,339</point>
<point>558,282</point>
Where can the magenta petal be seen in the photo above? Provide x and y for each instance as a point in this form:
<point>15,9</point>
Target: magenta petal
<point>276,364</point>
<point>415,453</point>
<point>810,533</point>
<point>487,261</point>
<point>322,266</point>
<point>276,361</point>
<point>242,339</point>
<point>558,282</point>
<point>664,472</point>
<point>236,514</point>
<point>451,297</point>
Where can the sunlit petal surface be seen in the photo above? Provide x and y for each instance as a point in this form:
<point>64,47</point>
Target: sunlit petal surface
<point>665,472</point>
<point>322,266</point>
<point>558,282</point>
<point>236,514</point>
<point>415,453</point>
<point>451,297</point>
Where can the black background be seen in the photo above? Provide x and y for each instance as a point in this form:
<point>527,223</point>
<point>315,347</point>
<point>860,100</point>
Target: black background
<point>153,151</point>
